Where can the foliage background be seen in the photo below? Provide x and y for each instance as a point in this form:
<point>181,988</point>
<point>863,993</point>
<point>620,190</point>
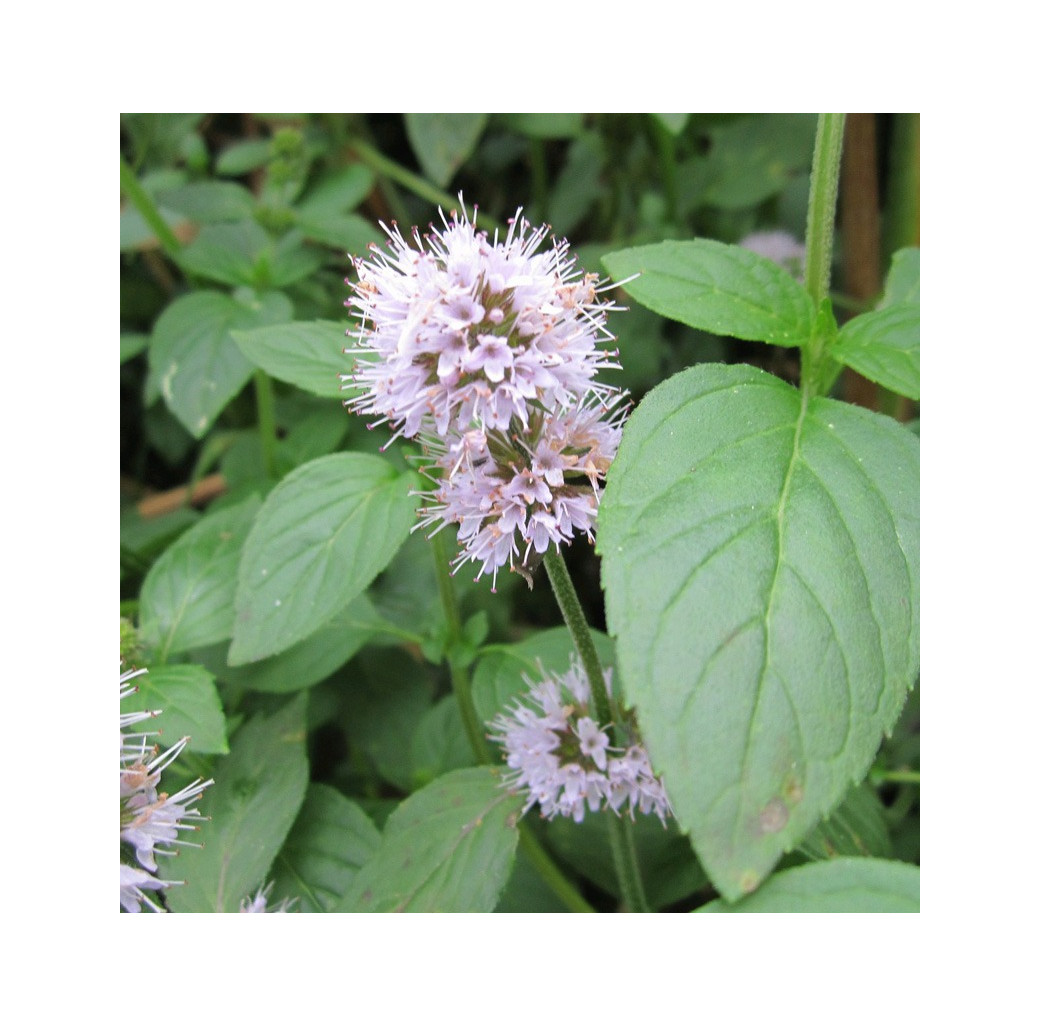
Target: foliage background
<point>263,211</point>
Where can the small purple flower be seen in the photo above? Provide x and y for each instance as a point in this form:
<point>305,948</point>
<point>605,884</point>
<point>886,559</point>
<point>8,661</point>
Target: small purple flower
<point>150,820</point>
<point>561,759</point>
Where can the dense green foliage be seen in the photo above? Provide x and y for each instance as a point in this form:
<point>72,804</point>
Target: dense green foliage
<point>755,582</point>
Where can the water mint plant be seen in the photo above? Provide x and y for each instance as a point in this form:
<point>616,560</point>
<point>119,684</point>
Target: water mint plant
<point>603,592</point>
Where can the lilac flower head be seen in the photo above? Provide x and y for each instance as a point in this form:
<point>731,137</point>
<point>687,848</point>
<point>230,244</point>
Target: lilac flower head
<point>562,759</point>
<point>150,820</point>
<point>515,494</point>
<point>462,330</point>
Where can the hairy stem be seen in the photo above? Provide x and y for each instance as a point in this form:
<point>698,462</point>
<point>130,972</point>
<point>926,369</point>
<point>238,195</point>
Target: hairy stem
<point>622,840</point>
<point>462,688</point>
<point>147,209</point>
<point>819,244</point>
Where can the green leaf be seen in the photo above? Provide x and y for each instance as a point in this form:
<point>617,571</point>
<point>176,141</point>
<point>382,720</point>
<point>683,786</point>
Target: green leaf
<point>903,284</point>
<point>339,192</point>
<point>760,562</point>
<point>329,842</point>
<point>448,848</point>
<point>188,597</point>
<point>388,697</point>
<point>578,185</point>
<point>243,253</point>
<point>499,676</point>
<point>885,346</point>
<point>242,157</point>
<point>667,864</point>
<point>723,289</point>
<point>308,354</point>
<point>755,157</point>
<point>209,202</point>
<point>226,252</point>
<point>193,357</point>
<point>841,885</point>
<point>321,537</point>
<point>442,142</point>
<point>130,344</point>
<point>189,703</point>
<point>439,743</point>
<point>857,827</point>
<point>309,661</point>
<point>257,793</point>
<point>544,126</point>
<point>347,232</point>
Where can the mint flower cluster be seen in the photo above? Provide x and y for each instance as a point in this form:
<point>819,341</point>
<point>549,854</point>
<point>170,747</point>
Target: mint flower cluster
<point>487,351</point>
<point>561,757</point>
<point>149,820</point>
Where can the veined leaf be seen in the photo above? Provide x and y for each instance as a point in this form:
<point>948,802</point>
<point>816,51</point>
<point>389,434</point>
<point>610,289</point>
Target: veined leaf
<point>320,538</point>
<point>257,793</point>
<point>723,289</point>
<point>329,842</point>
<point>443,141</point>
<point>188,597</point>
<point>448,848</point>
<point>193,357</point>
<point>308,354</point>
<point>187,699</point>
<point>760,562</point>
<point>841,885</point>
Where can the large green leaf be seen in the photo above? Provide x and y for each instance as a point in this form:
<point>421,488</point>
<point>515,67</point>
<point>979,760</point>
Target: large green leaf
<point>193,357</point>
<point>723,289</point>
<point>320,538</point>
<point>257,793</point>
<point>448,848</point>
<point>308,354</point>
<point>760,561</point>
<point>189,705</point>
<point>443,141</point>
<point>188,597</point>
<point>841,885</point>
<point>329,842</point>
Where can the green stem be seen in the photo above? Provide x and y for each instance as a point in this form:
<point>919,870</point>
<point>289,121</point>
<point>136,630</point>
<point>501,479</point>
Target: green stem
<point>460,681</point>
<point>619,829</point>
<point>898,777</point>
<point>147,209</point>
<point>550,872</point>
<point>574,617</point>
<point>539,178</point>
<point>819,241</point>
<point>266,422</point>
<point>410,180</point>
<point>463,690</point>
